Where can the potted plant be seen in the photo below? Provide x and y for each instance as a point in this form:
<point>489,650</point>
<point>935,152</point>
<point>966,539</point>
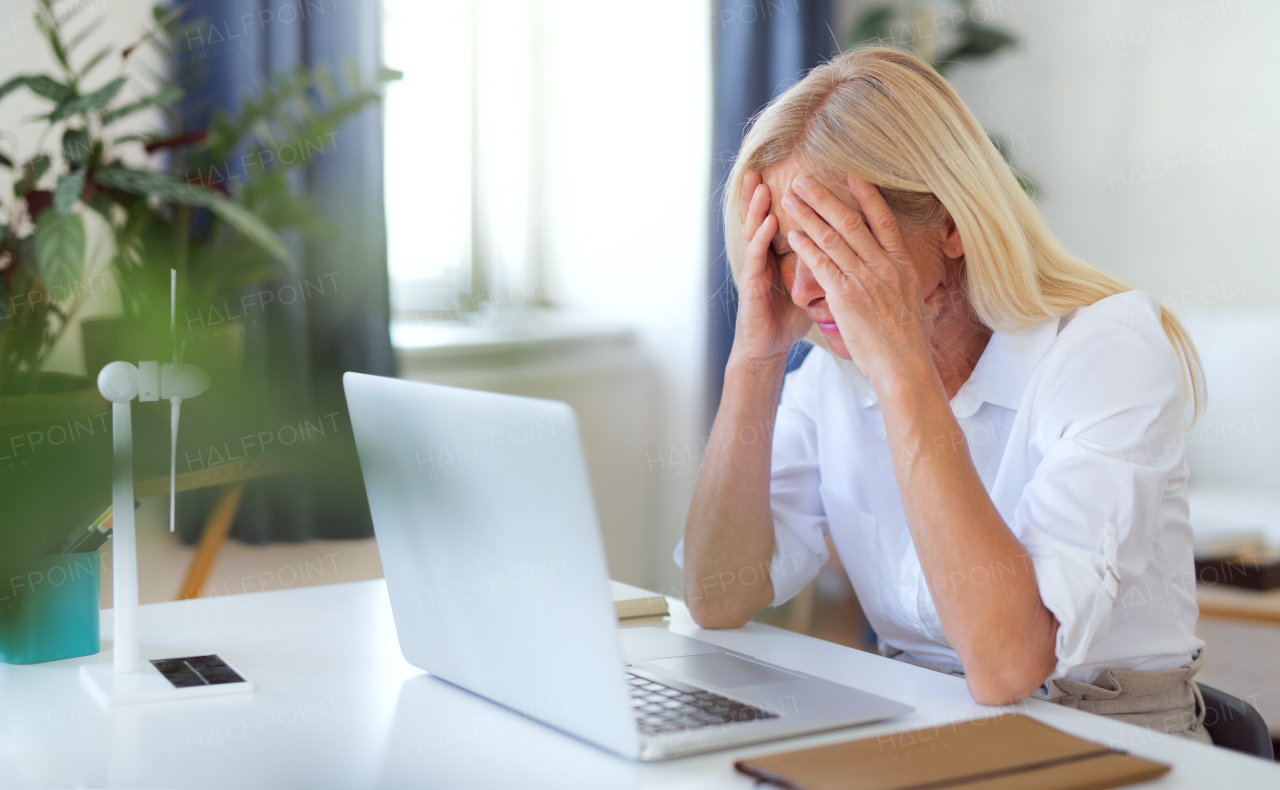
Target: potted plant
<point>155,198</point>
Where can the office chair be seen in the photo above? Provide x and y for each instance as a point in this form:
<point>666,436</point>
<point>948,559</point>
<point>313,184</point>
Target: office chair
<point>1235,724</point>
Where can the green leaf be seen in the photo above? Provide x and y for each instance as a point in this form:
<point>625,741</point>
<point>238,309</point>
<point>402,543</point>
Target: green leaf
<point>39,165</point>
<point>95,60</point>
<point>251,228</point>
<point>141,182</point>
<point>12,85</point>
<point>49,88</point>
<point>39,84</point>
<point>4,234</point>
<point>1002,145</point>
<point>165,17</point>
<point>68,190</point>
<point>53,35</point>
<point>59,51</point>
<point>351,70</point>
<point>101,202</point>
<point>76,146</point>
<point>158,99</point>
<point>1028,184</point>
<point>296,108</point>
<point>84,33</point>
<point>323,80</point>
<point>60,247</point>
<point>151,184</point>
<point>89,102</point>
<point>977,43</point>
<point>874,25</point>
<point>32,172</point>
<point>24,248</point>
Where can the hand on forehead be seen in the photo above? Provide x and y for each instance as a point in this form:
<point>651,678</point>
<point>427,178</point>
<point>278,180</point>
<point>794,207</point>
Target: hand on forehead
<point>779,179</point>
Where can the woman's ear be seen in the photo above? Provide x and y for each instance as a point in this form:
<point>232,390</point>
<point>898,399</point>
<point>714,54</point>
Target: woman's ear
<point>952,244</point>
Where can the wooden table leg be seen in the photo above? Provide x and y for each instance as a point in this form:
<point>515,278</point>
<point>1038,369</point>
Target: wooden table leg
<point>211,540</point>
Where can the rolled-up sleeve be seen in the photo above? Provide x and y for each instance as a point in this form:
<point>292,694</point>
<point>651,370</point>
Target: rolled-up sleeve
<point>1110,419</point>
<point>799,520</point>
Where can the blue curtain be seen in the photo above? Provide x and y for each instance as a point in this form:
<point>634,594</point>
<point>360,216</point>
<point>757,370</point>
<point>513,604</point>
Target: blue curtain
<point>296,353</point>
<point>760,48</point>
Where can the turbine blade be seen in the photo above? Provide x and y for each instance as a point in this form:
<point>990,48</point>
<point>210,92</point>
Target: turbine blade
<point>173,316</point>
<point>175,408</point>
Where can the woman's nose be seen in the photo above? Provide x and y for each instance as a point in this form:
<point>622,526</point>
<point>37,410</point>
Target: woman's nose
<point>805,291</point>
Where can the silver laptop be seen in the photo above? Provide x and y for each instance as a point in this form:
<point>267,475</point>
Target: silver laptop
<point>496,573</point>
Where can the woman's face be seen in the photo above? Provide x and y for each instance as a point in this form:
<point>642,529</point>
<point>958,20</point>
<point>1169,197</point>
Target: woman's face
<point>934,254</point>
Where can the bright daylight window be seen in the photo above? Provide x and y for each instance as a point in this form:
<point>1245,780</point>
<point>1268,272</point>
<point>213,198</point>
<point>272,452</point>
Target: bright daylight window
<point>428,153</point>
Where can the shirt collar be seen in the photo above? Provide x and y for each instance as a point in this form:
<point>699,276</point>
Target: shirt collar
<point>1000,377</point>
<point>1005,367</point>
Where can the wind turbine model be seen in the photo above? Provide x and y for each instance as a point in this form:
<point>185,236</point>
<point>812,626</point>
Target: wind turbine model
<point>129,679</point>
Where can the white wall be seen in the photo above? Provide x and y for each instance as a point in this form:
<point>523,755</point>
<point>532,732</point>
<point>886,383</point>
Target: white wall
<point>628,128</point>
<point>1152,126</point>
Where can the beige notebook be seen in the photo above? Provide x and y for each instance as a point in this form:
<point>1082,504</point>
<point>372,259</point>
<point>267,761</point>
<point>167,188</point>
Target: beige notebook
<point>1008,752</point>
<point>633,603</point>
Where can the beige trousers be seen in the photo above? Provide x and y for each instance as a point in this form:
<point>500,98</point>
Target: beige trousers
<point>1164,700</point>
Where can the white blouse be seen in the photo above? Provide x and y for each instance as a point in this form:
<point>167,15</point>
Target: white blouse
<point>1076,427</point>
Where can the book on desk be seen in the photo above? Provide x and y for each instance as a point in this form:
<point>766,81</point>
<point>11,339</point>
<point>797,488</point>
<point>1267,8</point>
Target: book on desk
<point>999,753</point>
<point>636,606</point>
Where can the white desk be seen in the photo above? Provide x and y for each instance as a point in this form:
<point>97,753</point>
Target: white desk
<point>337,707</point>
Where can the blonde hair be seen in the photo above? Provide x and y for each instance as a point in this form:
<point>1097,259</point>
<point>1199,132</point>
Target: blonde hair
<point>888,118</point>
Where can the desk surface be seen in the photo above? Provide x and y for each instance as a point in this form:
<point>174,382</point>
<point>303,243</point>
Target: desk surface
<point>337,706</point>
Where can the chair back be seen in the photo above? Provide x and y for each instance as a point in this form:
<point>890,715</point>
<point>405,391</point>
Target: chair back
<point>1235,724</point>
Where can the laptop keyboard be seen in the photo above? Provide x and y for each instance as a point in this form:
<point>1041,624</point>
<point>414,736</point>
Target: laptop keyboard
<point>664,707</point>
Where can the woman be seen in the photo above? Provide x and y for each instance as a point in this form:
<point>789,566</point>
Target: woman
<point>989,430</point>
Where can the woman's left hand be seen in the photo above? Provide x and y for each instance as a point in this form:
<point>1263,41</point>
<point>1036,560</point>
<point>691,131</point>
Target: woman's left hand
<point>872,284</point>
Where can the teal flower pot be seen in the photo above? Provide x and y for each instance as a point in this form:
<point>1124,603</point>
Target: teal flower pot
<point>51,611</point>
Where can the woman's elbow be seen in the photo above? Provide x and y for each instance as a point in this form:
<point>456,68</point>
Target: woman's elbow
<point>728,611</point>
<point>1005,682</point>
<point>720,616</point>
<point>992,689</point>
<point>1003,672</point>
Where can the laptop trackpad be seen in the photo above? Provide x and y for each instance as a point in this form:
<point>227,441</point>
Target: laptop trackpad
<point>723,669</point>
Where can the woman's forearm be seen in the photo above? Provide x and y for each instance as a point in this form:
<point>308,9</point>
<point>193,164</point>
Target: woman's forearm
<point>728,540</point>
<point>981,577</point>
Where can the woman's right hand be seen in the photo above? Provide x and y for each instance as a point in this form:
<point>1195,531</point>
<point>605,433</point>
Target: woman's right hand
<point>769,322</point>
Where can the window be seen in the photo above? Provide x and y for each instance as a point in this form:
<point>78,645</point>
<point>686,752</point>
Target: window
<point>428,153</point>
<point>461,145</point>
